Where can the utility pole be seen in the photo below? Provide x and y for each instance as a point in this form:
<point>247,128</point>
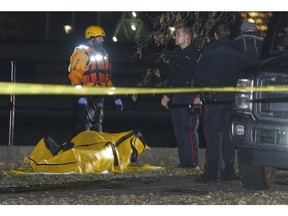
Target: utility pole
<point>12,105</point>
<point>73,22</point>
<point>47,26</point>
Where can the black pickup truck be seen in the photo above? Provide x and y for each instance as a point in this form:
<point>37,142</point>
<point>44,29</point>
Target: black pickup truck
<point>259,124</point>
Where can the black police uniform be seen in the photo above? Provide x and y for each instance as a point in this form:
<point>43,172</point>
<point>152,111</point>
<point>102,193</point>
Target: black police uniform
<point>220,65</point>
<point>185,121</point>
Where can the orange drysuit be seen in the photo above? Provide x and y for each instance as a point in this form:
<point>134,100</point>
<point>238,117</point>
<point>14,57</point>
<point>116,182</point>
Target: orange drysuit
<point>89,67</point>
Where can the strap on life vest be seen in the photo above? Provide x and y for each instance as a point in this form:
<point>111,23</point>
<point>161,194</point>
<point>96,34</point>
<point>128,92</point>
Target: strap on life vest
<point>100,78</point>
<point>97,70</point>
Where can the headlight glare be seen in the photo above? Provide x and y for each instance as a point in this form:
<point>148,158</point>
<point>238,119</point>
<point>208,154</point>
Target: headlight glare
<point>238,129</point>
<point>243,99</point>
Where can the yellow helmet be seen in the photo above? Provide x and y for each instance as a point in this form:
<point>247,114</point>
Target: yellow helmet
<point>94,31</point>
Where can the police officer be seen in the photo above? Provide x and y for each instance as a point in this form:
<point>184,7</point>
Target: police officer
<point>184,119</point>
<point>219,66</point>
<point>90,67</point>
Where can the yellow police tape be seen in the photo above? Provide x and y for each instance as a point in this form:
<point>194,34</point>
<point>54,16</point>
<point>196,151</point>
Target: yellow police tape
<point>7,88</point>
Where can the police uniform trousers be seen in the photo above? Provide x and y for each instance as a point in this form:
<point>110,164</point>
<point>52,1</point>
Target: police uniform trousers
<point>185,126</point>
<point>89,114</point>
<point>216,131</point>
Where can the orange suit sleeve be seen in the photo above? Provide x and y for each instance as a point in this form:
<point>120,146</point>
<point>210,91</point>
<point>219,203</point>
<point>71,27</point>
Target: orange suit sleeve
<point>78,61</point>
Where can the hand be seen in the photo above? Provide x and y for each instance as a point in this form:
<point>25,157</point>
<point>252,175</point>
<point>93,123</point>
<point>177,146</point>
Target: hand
<point>82,101</point>
<point>165,101</point>
<point>197,102</point>
<point>119,104</point>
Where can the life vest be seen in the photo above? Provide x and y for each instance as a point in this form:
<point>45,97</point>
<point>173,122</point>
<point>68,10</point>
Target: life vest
<point>98,69</point>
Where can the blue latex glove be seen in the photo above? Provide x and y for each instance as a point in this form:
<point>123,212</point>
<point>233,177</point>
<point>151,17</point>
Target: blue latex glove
<point>82,101</point>
<point>119,104</point>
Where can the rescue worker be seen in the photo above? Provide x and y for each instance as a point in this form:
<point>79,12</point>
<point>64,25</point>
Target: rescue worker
<point>219,66</point>
<point>90,67</point>
<point>185,119</point>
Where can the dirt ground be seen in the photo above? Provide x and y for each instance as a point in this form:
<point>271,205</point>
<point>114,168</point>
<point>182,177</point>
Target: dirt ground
<point>158,186</point>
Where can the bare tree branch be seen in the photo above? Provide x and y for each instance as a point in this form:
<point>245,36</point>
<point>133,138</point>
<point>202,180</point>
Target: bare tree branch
<point>158,41</point>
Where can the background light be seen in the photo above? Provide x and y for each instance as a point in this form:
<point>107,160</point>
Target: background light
<point>172,30</point>
<point>133,27</point>
<point>114,39</point>
<point>67,29</point>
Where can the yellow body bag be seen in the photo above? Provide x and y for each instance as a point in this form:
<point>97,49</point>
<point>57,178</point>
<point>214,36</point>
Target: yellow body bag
<point>88,152</point>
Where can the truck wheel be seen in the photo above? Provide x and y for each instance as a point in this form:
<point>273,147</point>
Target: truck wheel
<point>256,177</point>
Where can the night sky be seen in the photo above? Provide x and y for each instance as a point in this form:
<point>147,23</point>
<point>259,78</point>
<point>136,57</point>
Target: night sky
<point>38,26</point>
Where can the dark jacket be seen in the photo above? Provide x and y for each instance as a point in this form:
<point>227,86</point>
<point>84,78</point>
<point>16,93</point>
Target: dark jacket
<point>220,64</point>
<point>181,66</point>
<point>251,43</point>
<point>181,73</point>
